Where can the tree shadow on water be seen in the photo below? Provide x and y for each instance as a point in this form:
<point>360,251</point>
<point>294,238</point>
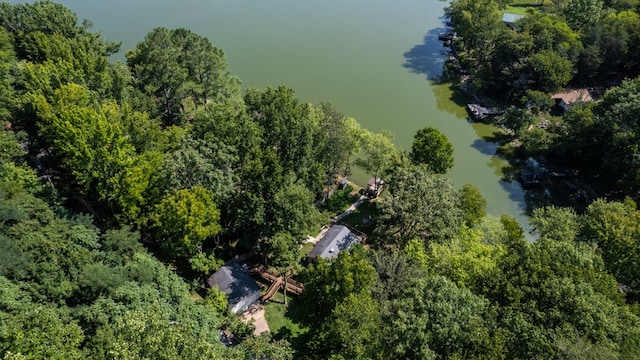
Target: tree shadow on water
<point>429,57</point>
<point>484,146</point>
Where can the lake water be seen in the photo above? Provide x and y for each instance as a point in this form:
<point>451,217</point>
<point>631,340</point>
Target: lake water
<point>372,59</point>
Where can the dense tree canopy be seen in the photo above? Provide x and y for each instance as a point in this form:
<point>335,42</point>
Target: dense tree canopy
<point>172,66</point>
<point>98,158</point>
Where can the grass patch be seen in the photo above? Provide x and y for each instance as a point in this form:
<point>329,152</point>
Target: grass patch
<point>282,320</point>
<point>340,200</point>
<point>531,2</point>
<point>306,248</point>
<point>364,217</point>
<point>518,10</point>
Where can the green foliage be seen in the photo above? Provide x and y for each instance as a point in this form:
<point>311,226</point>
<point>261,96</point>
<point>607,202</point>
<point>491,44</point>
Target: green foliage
<point>286,128</point>
<point>517,119</point>
<point>41,333</point>
<point>329,284</point>
<point>421,204</point>
<point>336,142</point>
<point>197,162</point>
<point>615,228</point>
<point>45,16</point>
<point>582,14</point>
<point>293,211</point>
<point>550,70</point>
<point>377,153</point>
<point>352,330</point>
<point>173,65</point>
<point>340,200</point>
<point>434,318</point>
<point>537,101</point>
<point>476,22</point>
<point>397,269</point>
<point>205,263</point>
<point>466,259</point>
<point>71,289</point>
<point>216,300</point>
<point>150,334</point>
<point>432,148</point>
<point>7,61</point>
<point>472,204</point>
<point>556,223</point>
<point>262,347</point>
<point>184,219</point>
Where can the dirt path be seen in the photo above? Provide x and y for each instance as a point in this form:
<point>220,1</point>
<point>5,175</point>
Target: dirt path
<point>347,212</point>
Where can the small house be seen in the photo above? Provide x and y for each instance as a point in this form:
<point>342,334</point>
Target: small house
<point>337,238</point>
<point>511,19</point>
<point>234,280</point>
<point>565,99</point>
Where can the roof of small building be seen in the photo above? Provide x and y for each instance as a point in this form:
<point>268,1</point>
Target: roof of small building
<point>375,180</point>
<point>509,18</point>
<point>571,96</point>
<point>338,238</point>
<point>233,280</point>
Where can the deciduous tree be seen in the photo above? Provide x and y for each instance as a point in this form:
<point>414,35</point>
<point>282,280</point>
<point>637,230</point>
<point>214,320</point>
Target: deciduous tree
<point>185,219</point>
<point>422,204</point>
<point>432,148</point>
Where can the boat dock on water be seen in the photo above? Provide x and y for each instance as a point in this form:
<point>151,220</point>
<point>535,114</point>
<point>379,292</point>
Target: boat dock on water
<point>478,112</point>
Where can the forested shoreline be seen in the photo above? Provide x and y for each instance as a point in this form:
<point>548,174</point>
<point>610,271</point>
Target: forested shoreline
<point>556,51</point>
<point>123,186</point>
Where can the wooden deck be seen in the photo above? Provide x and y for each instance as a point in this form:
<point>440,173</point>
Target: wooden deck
<point>277,282</point>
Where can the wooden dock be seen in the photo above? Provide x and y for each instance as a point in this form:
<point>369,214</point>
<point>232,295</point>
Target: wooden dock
<point>479,113</point>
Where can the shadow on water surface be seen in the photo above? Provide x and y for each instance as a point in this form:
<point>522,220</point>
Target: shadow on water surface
<point>427,58</point>
<point>484,146</point>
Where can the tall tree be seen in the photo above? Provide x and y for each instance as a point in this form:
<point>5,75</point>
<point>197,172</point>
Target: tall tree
<point>421,204</point>
<point>377,154</point>
<point>329,284</point>
<point>615,228</point>
<point>476,22</point>
<point>432,148</point>
<point>472,204</point>
<point>283,252</point>
<point>172,65</point>
<point>336,141</point>
<point>436,319</point>
<point>185,219</point>
<point>287,129</point>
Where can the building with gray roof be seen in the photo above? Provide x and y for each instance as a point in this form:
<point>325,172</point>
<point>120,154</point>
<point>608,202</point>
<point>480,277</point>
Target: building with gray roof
<point>234,280</point>
<point>337,239</point>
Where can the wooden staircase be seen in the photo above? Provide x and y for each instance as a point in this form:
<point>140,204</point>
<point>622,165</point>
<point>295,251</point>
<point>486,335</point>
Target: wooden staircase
<point>277,282</point>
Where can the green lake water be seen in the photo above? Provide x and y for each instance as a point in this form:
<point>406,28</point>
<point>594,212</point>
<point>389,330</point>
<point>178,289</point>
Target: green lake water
<point>374,60</point>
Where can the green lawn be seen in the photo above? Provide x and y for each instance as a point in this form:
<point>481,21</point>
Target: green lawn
<point>518,10</point>
<point>281,319</point>
<point>520,7</point>
<point>340,201</point>
<point>369,211</point>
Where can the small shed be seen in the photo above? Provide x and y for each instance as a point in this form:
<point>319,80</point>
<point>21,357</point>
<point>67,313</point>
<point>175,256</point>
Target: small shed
<point>510,19</point>
<point>234,280</point>
<point>374,187</point>
<point>336,239</point>
<point>569,97</point>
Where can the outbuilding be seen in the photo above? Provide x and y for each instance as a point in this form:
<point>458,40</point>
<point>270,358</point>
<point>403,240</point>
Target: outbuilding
<point>234,280</point>
<point>336,239</point>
